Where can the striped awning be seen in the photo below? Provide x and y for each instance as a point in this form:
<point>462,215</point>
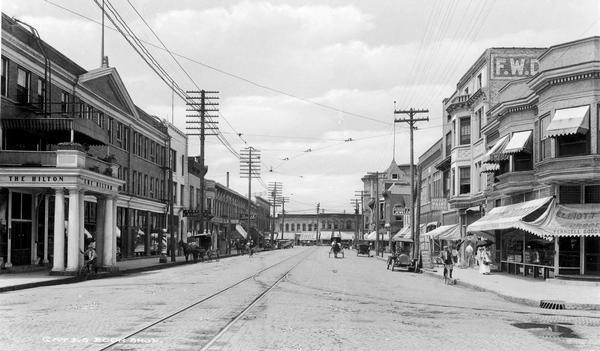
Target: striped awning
<point>85,129</point>
<point>569,121</point>
<point>495,153</point>
<point>520,141</point>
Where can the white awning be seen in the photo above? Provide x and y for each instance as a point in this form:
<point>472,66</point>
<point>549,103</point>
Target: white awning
<point>569,121</point>
<point>505,217</point>
<point>241,230</point>
<point>473,209</point>
<point>489,167</point>
<point>373,236</point>
<point>518,142</point>
<point>445,232</point>
<point>566,220</point>
<point>493,154</point>
<point>403,234</point>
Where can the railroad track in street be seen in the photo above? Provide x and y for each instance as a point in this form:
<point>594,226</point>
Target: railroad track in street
<point>264,290</point>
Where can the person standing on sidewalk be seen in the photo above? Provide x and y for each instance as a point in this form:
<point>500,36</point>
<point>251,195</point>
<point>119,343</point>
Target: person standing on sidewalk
<point>469,255</point>
<point>448,262</point>
<point>484,261</point>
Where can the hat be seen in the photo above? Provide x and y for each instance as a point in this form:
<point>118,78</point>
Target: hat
<point>92,245</point>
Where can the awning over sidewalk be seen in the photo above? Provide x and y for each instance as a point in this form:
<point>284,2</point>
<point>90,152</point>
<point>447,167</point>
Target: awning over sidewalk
<point>403,234</point>
<point>566,220</point>
<point>445,232</point>
<point>505,217</point>
<point>569,121</point>
<point>520,141</point>
<point>241,230</point>
<point>373,236</point>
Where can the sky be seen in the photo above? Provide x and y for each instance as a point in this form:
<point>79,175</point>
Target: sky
<point>311,84</point>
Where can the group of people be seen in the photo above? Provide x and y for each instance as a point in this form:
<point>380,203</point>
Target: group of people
<point>483,259</point>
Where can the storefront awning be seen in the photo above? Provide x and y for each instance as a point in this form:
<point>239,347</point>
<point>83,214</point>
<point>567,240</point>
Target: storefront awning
<point>445,232</point>
<point>495,154</point>
<point>569,121</point>
<point>403,234</point>
<point>505,217</point>
<point>520,141</point>
<point>566,220</point>
<point>241,230</point>
<point>373,236</point>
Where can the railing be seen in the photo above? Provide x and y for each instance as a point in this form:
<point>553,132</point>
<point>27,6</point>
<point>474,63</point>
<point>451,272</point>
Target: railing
<point>28,158</point>
<point>461,98</point>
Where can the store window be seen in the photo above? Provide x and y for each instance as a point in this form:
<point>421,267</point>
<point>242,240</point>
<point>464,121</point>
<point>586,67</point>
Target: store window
<point>40,93</point>
<point>23,85</point>
<point>465,180</point>
<point>544,140</point>
<point>465,130</point>
<point>573,145</point>
<point>592,194</point>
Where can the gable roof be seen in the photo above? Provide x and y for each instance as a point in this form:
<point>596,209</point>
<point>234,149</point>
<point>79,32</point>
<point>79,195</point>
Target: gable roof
<point>106,83</point>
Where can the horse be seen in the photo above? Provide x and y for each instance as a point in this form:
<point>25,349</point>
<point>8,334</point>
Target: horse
<point>195,251</point>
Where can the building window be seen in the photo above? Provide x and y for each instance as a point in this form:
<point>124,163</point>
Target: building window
<point>303,227</point>
<point>125,178</point>
<point>544,140</point>
<point>453,182</point>
<point>125,137</point>
<point>174,192</point>
<point>573,145</point>
<point>569,194</point>
<point>152,187</point>
<point>182,164</point>
<point>4,76</point>
<point>65,99</point>
<point>139,190</point>
<point>394,176</point>
<point>293,227</point>
<point>465,180</point>
<point>40,93</point>
<point>135,135</point>
<point>134,181</point>
<point>522,161</point>
<point>592,194</point>
<point>479,121</point>
<point>173,160</point>
<point>479,81</point>
<point>448,144</point>
<point>182,191</point>
<point>465,130</point>
<point>287,227</point>
<point>23,84</point>
<point>89,112</point>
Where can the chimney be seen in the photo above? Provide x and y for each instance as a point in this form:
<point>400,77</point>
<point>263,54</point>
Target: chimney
<point>228,180</point>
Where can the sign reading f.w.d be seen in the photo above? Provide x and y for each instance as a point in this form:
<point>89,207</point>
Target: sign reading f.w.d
<point>507,66</point>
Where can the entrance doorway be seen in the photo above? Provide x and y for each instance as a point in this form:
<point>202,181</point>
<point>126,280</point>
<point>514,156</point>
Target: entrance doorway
<point>592,255</point>
<point>568,258</point>
<point>21,226</point>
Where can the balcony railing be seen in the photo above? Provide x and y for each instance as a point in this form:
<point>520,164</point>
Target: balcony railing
<point>22,158</point>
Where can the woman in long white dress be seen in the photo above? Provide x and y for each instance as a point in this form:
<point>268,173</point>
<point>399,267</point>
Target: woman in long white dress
<point>484,261</point>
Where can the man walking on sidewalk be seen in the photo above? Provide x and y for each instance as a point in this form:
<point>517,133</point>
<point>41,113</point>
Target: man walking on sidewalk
<point>469,255</point>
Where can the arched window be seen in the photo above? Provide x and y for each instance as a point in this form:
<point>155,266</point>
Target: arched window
<point>328,225</point>
<point>293,227</point>
<point>336,225</point>
<point>310,227</point>
<point>287,227</point>
<point>303,227</point>
<point>349,225</point>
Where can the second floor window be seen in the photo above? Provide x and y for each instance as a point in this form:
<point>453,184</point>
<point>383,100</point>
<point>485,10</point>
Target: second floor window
<point>40,93</point>
<point>465,180</point>
<point>4,76</point>
<point>23,83</point>
<point>448,144</point>
<point>465,130</point>
<point>479,121</point>
<point>64,102</point>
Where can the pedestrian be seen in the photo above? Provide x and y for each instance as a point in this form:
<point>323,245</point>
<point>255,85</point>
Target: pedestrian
<point>469,255</point>
<point>484,261</point>
<point>454,255</point>
<point>448,262</point>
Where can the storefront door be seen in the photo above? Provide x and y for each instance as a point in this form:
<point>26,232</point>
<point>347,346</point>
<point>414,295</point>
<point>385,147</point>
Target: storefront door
<point>592,255</point>
<point>569,255</point>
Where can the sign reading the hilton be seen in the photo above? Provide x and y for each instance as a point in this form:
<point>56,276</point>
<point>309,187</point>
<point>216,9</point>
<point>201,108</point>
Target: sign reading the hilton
<point>35,179</point>
<point>49,181</point>
<point>514,66</point>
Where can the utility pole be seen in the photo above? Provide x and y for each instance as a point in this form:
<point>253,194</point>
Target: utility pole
<point>355,203</point>
<point>376,174</point>
<point>361,193</point>
<point>249,165</point>
<point>201,111</point>
<point>275,189</point>
<point>411,120</point>
<point>283,201</point>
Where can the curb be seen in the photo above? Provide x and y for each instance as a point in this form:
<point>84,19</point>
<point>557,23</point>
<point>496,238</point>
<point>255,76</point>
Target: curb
<point>519,300</point>
<point>103,275</point>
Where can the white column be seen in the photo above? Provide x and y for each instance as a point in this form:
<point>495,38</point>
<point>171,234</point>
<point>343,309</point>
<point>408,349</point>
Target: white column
<point>58,263</point>
<point>34,229</point>
<point>109,225</point>
<point>114,233</point>
<point>582,255</point>
<point>9,243</point>
<point>100,228</point>
<point>81,231</point>
<point>73,232</point>
<point>46,211</point>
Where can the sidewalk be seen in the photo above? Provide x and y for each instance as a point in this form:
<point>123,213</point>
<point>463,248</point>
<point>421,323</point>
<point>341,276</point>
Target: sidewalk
<point>27,280</point>
<point>529,291</point>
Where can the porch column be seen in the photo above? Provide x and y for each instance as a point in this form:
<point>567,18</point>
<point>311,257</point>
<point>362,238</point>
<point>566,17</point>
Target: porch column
<point>81,232</point>
<point>8,263</point>
<point>46,211</point>
<point>582,255</point>
<point>34,229</point>
<point>109,225</point>
<point>73,245</point>
<point>556,254</point>
<point>113,229</point>
<point>100,229</point>
<point>58,264</point>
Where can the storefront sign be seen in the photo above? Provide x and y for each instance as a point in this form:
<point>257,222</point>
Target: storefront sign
<point>42,180</point>
<point>514,66</point>
<point>571,220</point>
<point>439,204</point>
<point>35,179</point>
<point>400,210</point>
<point>93,183</point>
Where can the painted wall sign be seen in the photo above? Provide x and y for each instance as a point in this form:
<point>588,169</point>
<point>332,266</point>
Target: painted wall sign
<point>514,66</point>
<point>400,210</point>
<point>35,179</point>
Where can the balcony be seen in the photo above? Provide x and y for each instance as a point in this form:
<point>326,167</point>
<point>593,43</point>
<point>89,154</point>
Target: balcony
<point>458,102</point>
<point>19,158</point>
<point>577,169</point>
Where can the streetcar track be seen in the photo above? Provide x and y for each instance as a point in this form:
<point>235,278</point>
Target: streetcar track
<point>207,298</point>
